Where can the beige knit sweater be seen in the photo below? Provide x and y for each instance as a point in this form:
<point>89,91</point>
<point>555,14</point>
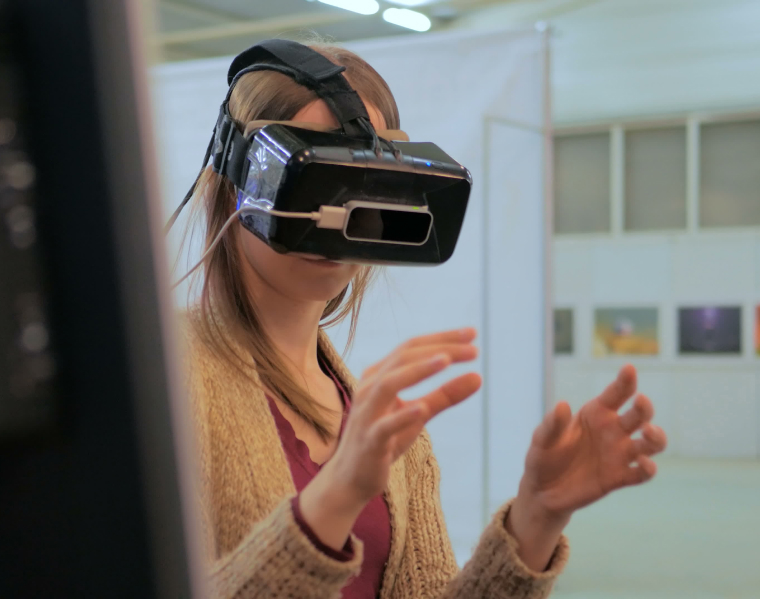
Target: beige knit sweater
<point>256,549</point>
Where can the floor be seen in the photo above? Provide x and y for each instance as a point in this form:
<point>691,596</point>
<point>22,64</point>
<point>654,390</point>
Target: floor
<point>691,533</point>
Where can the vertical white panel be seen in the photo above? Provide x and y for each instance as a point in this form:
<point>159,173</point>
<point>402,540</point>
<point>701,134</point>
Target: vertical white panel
<point>433,78</point>
<point>515,302</point>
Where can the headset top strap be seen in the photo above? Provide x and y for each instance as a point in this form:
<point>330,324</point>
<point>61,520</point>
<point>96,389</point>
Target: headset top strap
<point>312,70</point>
<point>307,67</point>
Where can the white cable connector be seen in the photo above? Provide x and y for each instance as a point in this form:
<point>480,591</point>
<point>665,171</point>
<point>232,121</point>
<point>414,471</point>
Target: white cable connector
<point>331,217</point>
<point>328,217</point>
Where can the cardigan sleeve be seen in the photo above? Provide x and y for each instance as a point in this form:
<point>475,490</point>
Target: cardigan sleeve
<point>277,560</point>
<point>495,571</point>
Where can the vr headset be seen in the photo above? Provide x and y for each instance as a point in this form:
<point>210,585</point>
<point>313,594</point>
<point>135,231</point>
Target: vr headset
<point>353,194</point>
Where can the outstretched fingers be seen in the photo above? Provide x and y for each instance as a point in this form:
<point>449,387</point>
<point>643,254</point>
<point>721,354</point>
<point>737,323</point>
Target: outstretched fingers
<point>639,414</point>
<point>653,441</point>
<point>419,411</point>
<point>553,425</point>
<point>384,387</point>
<point>621,389</point>
<point>384,428</point>
<point>456,343</point>
<point>644,470</point>
<point>450,394</point>
<point>457,352</point>
<point>466,335</point>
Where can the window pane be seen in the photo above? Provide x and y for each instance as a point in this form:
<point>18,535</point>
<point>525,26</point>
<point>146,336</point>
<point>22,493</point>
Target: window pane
<point>655,179</point>
<point>582,183</point>
<point>730,174</point>
<point>563,331</point>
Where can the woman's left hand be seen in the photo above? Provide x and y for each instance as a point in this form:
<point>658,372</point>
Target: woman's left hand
<point>575,460</point>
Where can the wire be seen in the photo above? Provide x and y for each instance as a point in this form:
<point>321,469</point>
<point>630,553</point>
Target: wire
<point>244,210</point>
<point>192,189</point>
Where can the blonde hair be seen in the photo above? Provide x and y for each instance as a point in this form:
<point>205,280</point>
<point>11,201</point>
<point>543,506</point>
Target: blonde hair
<point>226,308</point>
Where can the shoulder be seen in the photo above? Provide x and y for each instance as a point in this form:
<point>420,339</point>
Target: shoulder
<point>200,365</point>
<point>195,345</point>
<point>214,363</point>
<point>208,344</point>
<point>194,327</point>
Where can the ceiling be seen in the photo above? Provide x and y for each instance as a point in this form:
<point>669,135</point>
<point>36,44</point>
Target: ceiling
<point>191,29</point>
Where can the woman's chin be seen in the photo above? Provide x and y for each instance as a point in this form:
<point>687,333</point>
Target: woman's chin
<point>317,280</point>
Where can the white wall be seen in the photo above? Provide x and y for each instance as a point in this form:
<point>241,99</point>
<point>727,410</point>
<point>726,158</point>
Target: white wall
<point>709,406</point>
<point>615,61</point>
<point>624,58</point>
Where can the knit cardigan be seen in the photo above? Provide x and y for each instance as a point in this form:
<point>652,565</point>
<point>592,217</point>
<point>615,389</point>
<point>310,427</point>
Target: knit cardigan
<point>255,548</point>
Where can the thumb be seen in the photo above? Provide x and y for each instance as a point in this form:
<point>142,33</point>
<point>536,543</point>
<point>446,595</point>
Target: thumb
<point>553,425</point>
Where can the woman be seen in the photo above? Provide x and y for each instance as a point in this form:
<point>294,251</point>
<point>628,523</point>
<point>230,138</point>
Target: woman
<point>317,486</point>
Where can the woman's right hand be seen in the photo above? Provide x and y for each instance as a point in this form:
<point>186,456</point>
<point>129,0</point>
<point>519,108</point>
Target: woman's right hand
<point>381,427</point>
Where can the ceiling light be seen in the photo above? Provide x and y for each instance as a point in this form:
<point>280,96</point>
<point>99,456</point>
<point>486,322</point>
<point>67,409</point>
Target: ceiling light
<point>410,3</point>
<point>410,19</point>
<point>363,7</point>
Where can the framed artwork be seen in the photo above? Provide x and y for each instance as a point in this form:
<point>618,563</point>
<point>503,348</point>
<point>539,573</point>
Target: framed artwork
<point>626,331</point>
<point>710,330</point>
<point>563,331</point>
<point>757,330</point>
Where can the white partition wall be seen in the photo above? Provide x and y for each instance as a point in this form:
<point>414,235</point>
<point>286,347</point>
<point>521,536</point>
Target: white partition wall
<point>482,98</point>
<point>709,404</point>
<point>514,297</point>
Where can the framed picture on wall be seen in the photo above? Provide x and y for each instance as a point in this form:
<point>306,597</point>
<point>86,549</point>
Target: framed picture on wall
<point>757,330</point>
<point>710,330</point>
<point>563,331</point>
<point>626,331</point>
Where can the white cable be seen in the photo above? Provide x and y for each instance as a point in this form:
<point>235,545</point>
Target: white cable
<point>244,210</point>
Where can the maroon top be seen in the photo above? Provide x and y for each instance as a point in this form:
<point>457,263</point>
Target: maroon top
<point>373,526</point>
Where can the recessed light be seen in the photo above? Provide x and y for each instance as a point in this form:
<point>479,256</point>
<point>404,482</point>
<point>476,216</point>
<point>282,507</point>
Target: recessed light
<point>410,3</point>
<point>411,19</point>
<point>363,7</point>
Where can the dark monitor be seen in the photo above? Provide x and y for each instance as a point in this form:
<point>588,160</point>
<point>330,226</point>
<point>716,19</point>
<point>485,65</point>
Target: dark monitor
<point>91,468</point>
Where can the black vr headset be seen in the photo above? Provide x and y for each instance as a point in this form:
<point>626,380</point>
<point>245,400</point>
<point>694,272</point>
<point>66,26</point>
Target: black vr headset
<point>351,194</point>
